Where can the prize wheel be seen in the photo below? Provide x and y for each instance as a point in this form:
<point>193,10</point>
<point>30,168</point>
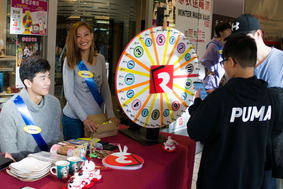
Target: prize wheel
<point>27,22</point>
<point>155,75</point>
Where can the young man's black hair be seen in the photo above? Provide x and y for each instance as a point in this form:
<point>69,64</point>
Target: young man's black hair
<point>242,49</point>
<point>220,27</point>
<point>31,66</point>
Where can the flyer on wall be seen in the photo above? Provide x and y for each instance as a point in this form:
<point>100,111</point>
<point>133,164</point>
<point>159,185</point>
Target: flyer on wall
<point>198,13</point>
<point>27,45</point>
<point>169,11</point>
<point>28,17</point>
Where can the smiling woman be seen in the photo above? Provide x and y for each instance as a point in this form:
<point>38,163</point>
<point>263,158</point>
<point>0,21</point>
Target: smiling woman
<point>84,38</point>
<point>85,83</point>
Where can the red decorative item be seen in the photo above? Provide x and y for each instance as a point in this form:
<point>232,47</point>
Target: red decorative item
<point>83,179</point>
<point>170,145</point>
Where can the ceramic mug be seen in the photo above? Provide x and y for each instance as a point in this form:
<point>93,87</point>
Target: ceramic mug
<point>75,164</point>
<point>62,169</point>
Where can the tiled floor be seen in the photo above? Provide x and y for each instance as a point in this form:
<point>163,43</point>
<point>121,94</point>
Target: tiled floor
<point>196,167</point>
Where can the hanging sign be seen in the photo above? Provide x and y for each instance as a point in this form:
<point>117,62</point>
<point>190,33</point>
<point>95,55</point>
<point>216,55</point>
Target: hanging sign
<point>269,17</point>
<point>194,18</point>
<point>27,46</point>
<point>28,17</point>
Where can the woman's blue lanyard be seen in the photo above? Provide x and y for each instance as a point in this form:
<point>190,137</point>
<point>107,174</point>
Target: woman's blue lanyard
<point>88,76</point>
<point>21,106</point>
<point>218,46</point>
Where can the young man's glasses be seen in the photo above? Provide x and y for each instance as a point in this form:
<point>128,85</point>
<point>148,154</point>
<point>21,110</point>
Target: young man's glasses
<point>222,62</point>
<point>226,59</point>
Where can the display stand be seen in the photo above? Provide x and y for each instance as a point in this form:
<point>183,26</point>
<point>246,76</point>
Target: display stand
<point>154,79</point>
<point>145,136</point>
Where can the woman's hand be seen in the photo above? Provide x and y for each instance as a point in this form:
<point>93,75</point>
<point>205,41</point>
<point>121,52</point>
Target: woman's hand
<point>90,125</point>
<point>115,120</point>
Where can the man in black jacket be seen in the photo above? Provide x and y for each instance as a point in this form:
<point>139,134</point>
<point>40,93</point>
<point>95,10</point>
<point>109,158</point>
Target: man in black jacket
<point>235,122</point>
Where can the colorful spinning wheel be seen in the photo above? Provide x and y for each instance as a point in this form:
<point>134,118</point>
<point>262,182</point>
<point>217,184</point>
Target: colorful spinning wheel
<point>27,22</point>
<point>155,75</point>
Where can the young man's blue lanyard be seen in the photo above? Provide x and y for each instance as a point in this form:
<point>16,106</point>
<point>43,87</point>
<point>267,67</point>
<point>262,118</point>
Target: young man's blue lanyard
<point>88,76</point>
<point>31,127</point>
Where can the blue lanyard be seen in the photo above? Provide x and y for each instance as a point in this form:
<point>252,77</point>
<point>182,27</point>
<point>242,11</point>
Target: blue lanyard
<point>29,121</point>
<point>218,46</point>
<point>91,84</point>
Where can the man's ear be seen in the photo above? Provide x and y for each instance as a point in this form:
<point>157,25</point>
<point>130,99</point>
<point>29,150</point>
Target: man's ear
<point>232,62</point>
<point>27,83</point>
<point>259,34</point>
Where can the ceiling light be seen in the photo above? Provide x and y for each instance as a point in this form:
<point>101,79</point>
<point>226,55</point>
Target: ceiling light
<point>102,22</point>
<point>74,17</point>
<point>101,17</point>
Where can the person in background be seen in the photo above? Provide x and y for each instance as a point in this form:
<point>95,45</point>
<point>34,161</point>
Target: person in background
<point>269,67</point>
<point>85,83</point>
<point>213,55</point>
<point>30,120</point>
<point>236,122</point>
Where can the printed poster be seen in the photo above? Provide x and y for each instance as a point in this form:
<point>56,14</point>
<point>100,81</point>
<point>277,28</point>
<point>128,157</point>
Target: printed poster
<point>269,17</point>
<point>194,19</point>
<point>169,12</point>
<point>28,17</point>
<point>27,46</point>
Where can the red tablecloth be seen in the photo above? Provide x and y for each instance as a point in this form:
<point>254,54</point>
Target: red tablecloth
<point>160,170</point>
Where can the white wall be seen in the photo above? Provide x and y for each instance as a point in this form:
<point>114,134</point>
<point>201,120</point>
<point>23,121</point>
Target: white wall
<point>231,8</point>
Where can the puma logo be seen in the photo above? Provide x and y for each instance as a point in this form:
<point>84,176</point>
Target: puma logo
<point>250,113</point>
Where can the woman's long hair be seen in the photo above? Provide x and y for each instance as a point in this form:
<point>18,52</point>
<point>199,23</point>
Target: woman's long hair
<point>72,51</point>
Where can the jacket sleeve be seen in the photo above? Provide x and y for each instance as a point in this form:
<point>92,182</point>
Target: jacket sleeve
<point>275,147</point>
<point>203,122</point>
<point>210,57</point>
<point>55,132</point>
<point>193,108</point>
<point>277,158</point>
<point>8,132</point>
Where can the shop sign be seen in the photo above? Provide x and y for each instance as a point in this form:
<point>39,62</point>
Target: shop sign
<point>270,17</point>
<point>28,17</point>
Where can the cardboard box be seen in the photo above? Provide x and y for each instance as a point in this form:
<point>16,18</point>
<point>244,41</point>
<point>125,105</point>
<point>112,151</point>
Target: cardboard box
<point>104,130</point>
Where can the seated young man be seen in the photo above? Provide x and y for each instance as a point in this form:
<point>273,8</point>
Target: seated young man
<point>30,120</point>
<point>235,122</point>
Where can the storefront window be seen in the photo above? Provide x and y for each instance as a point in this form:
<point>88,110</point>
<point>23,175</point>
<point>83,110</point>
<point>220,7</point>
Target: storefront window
<point>14,48</point>
<point>113,22</point>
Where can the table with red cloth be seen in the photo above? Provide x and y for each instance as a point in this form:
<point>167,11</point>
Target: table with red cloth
<point>160,170</point>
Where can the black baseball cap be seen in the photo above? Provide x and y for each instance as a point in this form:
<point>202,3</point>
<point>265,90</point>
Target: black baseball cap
<point>244,24</point>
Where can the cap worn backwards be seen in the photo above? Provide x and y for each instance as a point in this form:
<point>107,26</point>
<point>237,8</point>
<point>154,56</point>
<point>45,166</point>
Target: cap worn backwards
<point>245,24</point>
